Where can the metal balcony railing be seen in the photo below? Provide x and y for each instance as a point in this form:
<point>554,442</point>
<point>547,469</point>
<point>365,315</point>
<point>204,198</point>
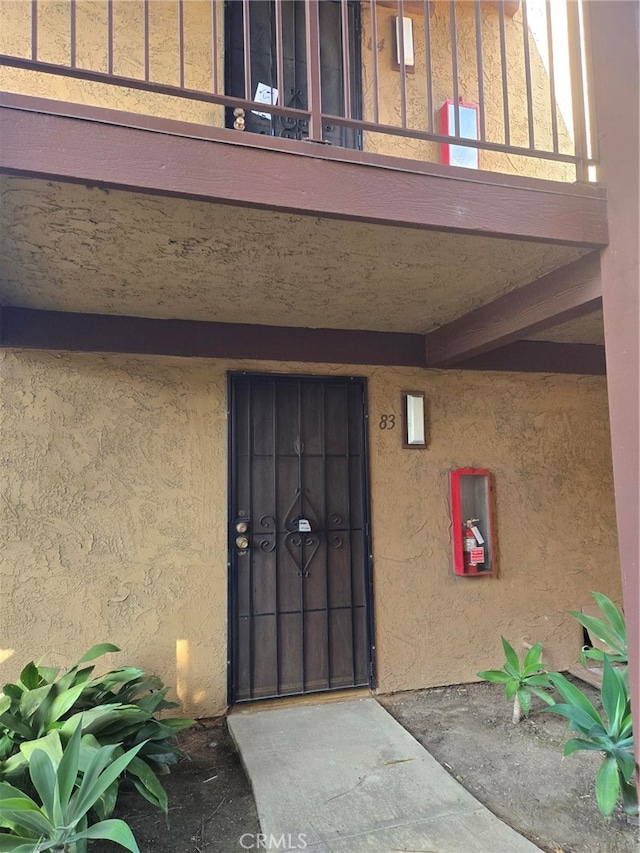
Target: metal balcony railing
<point>481,83</point>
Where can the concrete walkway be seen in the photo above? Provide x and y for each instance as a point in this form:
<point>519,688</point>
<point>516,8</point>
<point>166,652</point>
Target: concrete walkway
<point>345,777</point>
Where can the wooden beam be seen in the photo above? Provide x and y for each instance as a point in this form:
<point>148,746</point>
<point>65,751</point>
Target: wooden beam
<point>27,328</point>
<point>561,295</point>
<point>107,148</point>
<point>541,357</point>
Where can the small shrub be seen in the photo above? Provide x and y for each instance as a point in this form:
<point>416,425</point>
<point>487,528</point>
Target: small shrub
<point>116,709</point>
<point>610,734</point>
<point>521,679</point>
<point>610,630</point>
<point>68,784</point>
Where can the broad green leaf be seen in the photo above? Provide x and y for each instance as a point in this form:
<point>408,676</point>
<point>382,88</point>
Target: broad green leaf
<point>94,720</point>
<point>532,658</point>
<point>48,673</point>
<point>573,696</point>
<point>538,680</point>
<point>579,721</point>
<point>16,844</point>
<point>34,821</point>
<point>93,786</point>
<point>122,675</point>
<point>543,695</point>
<point>626,763</point>
<point>13,768</point>
<point>30,676</point>
<point>43,776</point>
<point>613,697</point>
<point>32,699</point>
<point>68,768</point>
<point>510,654</point>
<point>147,684</point>
<point>63,703</point>
<point>5,703</point>
<point>14,691</point>
<point>511,688</point>
<point>153,701</point>
<point>147,783</point>
<point>8,792</point>
<point>607,786</point>
<point>611,613</point>
<point>15,725</point>
<point>50,744</point>
<point>111,830</point>
<point>575,744</point>
<point>629,794</point>
<point>176,724</point>
<point>104,805</point>
<point>600,629</point>
<point>514,673</point>
<point>97,651</point>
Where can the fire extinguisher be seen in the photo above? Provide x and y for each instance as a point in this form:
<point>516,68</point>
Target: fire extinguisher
<point>469,542</point>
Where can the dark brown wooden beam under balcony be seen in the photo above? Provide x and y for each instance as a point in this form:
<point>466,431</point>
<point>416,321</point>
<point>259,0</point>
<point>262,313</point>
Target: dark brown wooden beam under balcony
<point>106,148</point>
<point>27,328</point>
<point>564,294</point>
<point>541,357</point>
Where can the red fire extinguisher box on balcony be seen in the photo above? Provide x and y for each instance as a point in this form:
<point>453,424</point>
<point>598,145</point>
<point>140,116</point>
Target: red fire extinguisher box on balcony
<point>472,524</point>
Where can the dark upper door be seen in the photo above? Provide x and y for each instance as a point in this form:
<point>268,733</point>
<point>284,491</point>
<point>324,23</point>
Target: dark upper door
<point>262,40</point>
<point>300,584</point>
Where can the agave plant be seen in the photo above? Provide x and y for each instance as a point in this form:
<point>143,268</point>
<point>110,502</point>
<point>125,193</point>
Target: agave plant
<point>610,734</point>
<point>521,679</point>
<point>60,821</point>
<point>116,708</point>
<point>610,630</point>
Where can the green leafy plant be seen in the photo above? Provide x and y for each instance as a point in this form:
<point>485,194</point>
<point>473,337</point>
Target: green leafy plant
<point>521,679</point>
<point>117,708</point>
<point>68,783</point>
<point>611,734</point>
<point>610,630</point>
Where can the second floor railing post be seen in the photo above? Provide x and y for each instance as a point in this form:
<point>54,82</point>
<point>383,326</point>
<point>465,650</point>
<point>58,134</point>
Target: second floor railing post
<point>577,91</point>
<point>314,91</point>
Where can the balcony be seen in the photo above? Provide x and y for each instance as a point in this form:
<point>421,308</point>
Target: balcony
<point>255,163</point>
<point>495,86</point>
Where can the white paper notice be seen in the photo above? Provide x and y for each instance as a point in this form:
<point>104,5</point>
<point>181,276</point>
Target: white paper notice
<point>265,95</point>
<point>304,526</point>
<point>478,535</point>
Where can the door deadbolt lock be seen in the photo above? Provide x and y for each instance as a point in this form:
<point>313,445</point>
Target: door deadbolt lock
<point>242,543</point>
<point>242,526</point>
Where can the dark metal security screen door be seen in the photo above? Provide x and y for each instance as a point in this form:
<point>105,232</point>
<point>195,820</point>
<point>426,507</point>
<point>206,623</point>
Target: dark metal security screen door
<point>299,537</point>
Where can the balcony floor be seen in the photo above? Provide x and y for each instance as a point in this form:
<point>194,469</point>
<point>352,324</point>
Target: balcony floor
<point>69,247</point>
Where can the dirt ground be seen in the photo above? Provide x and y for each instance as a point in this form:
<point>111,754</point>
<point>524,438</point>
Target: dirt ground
<point>517,771</point>
<point>210,800</point>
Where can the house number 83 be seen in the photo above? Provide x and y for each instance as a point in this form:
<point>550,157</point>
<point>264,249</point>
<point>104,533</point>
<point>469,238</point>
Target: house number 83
<point>387,421</point>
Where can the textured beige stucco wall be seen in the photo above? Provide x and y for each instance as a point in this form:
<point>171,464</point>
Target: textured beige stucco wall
<point>91,34</point>
<point>113,515</point>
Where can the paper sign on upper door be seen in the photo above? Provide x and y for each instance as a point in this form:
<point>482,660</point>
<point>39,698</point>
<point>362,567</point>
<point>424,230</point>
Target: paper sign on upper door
<point>265,95</point>
<point>304,526</point>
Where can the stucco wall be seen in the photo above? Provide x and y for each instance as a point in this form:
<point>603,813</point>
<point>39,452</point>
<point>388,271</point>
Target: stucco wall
<point>114,515</point>
<point>128,28</point>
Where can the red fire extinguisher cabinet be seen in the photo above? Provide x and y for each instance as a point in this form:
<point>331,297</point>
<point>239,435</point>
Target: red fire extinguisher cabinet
<point>471,502</point>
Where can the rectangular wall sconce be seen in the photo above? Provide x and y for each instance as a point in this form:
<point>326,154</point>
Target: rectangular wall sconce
<point>414,419</point>
<point>407,34</point>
